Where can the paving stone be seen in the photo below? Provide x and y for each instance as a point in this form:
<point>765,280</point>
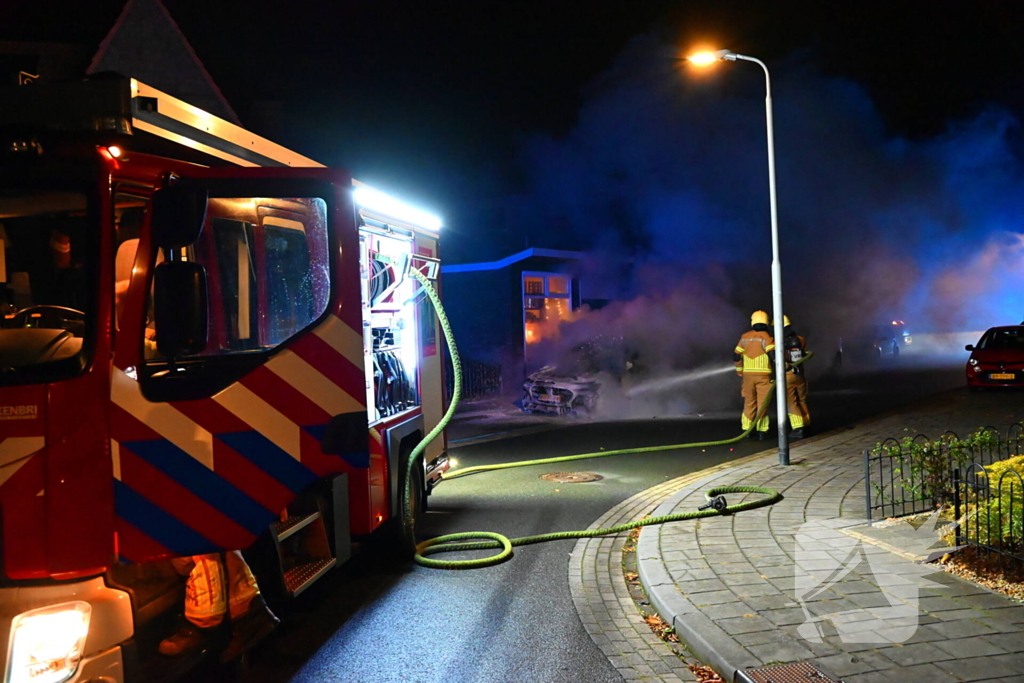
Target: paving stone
<point>876,599</point>
<point>977,669</point>
<point>850,648</point>
<point>961,628</point>
<point>1015,661</point>
<point>769,602</point>
<point>854,587</point>
<point>1009,642</point>
<point>699,586</point>
<point>755,590</point>
<point>964,648</point>
<point>745,624</point>
<point>989,601</point>
<point>763,637</point>
<point>916,653</point>
<point>781,652</point>
<point>957,614</point>
<point>783,617</point>
<point>712,598</point>
<point>776,572</point>
<point>845,664</point>
<point>741,579</point>
<point>716,559</point>
<point>822,608</point>
<point>726,610</point>
<point>923,673</point>
<point>734,568</point>
<point>924,634</point>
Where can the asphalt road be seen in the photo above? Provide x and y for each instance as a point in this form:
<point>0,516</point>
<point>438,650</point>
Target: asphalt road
<point>377,620</point>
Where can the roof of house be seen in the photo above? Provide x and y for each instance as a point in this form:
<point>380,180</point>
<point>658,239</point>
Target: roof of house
<point>138,38</point>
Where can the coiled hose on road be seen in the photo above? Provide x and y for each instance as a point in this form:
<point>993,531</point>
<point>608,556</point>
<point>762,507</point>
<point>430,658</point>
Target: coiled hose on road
<point>462,542</point>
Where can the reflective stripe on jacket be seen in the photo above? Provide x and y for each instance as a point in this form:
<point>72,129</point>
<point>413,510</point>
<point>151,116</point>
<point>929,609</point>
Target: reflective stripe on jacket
<point>754,347</point>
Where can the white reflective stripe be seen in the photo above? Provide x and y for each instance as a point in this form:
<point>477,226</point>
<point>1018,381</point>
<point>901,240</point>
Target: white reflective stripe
<point>115,456</point>
<point>14,448</point>
<point>15,452</point>
<point>308,381</point>
<point>342,339</point>
<point>162,418</point>
<point>9,471</point>
<point>262,417</point>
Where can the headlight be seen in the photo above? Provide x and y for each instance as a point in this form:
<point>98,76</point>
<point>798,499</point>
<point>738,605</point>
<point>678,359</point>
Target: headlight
<point>973,361</point>
<point>47,643</point>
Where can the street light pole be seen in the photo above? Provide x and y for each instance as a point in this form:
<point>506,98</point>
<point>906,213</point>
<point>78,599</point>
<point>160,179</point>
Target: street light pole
<point>780,351</point>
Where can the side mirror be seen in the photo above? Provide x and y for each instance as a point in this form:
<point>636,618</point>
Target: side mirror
<point>179,212</point>
<point>969,347</point>
<point>180,308</point>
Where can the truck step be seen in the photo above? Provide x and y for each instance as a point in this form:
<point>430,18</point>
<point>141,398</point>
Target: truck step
<point>298,579</point>
<point>293,525</point>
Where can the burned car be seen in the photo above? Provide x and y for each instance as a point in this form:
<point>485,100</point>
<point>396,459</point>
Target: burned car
<point>547,391</point>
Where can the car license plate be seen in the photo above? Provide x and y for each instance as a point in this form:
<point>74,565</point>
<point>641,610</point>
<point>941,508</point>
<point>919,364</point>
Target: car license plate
<point>1001,375</point>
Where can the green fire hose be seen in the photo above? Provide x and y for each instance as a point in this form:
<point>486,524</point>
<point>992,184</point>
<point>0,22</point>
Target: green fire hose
<point>461,542</point>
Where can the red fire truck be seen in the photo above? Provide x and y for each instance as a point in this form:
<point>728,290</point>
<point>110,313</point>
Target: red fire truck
<point>209,343</point>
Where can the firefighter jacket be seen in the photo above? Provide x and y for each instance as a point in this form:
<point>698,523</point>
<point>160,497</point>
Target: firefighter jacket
<point>795,348</point>
<point>754,353</point>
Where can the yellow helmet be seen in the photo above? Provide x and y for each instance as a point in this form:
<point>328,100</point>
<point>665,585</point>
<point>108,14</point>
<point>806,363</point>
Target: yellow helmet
<point>759,317</point>
<point>785,321</point>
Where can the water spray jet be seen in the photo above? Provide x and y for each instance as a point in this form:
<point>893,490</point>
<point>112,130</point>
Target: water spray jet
<point>666,383</point>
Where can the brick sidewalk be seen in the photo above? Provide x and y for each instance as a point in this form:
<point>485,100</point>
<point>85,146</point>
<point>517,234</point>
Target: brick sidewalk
<point>727,583</point>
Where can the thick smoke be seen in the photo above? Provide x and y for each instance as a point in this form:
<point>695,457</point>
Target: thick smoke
<point>666,170</point>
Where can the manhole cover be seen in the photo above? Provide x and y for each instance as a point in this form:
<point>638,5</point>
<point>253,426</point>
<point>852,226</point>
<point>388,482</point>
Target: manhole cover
<point>798,672</point>
<point>571,477</point>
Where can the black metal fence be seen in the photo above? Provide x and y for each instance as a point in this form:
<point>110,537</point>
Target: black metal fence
<point>990,505</point>
<point>478,379</point>
<point>910,477</point>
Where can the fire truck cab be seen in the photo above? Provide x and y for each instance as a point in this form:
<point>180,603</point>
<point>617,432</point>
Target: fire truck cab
<point>209,343</point>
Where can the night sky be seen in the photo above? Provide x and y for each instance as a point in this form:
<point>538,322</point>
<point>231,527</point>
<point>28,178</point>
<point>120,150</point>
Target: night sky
<point>397,90</point>
<point>897,125</point>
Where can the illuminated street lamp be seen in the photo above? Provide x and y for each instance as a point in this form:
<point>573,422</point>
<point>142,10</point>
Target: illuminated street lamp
<point>704,59</point>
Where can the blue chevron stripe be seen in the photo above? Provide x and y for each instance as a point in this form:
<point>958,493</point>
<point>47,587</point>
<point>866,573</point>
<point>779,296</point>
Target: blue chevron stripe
<point>359,460</point>
<point>158,524</point>
<point>204,483</point>
<point>270,458</point>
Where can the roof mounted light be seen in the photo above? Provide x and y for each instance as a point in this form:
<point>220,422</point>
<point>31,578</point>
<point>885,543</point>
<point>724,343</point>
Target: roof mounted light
<point>378,202</point>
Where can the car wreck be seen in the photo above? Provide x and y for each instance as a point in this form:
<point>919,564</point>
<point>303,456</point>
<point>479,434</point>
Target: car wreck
<point>547,391</point>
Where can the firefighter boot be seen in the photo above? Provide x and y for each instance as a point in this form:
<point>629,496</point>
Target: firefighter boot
<point>188,638</point>
<point>249,629</point>
<point>797,434</point>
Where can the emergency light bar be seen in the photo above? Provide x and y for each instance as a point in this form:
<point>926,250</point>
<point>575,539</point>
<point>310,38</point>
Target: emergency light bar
<point>378,202</point>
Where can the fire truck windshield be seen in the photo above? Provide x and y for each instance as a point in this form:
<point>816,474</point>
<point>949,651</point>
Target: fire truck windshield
<point>46,258</point>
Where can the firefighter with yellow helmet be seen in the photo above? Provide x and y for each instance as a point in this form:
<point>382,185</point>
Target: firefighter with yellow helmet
<point>794,349</point>
<point>754,356</point>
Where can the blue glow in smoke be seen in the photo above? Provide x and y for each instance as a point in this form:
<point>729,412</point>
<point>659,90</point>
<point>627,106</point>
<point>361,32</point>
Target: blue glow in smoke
<point>666,166</point>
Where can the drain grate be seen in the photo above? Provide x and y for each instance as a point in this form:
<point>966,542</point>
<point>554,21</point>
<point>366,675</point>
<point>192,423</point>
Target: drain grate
<point>799,672</point>
<point>571,477</point>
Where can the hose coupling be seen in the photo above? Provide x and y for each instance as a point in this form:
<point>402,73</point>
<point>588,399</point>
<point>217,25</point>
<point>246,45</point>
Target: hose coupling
<point>718,503</point>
